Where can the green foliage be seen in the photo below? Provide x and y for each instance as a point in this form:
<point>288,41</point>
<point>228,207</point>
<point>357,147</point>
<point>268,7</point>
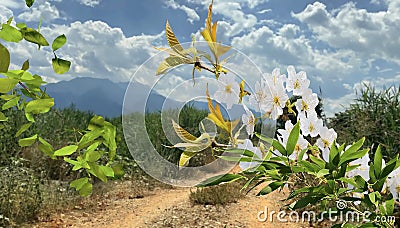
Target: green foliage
<point>375,115</point>
<point>217,195</point>
<point>20,195</point>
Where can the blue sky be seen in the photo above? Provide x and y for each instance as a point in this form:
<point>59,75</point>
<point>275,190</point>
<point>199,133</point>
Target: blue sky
<point>340,44</point>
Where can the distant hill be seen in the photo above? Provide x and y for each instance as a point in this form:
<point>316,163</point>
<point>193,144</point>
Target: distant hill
<point>104,97</point>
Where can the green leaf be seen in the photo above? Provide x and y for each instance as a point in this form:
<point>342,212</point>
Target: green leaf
<point>108,171</point>
<point>322,173</point>
<point>96,122</point>
<point>35,37</point>
<point>352,153</point>
<point>29,117</point>
<point>4,59</point>
<point>7,84</point>
<point>378,161</point>
<point>118,171</point>
<point>79,183</point>
<point>23,129</point>
<point>21,25</point>
<point>27,141</point>
<point>97,171</point>
<point>93,156</point>
<point>10,20</point>
<point>60,66</point>
<point>293,138</point>
<point>320,162</point>
<point>25,66</point>
<point>390,166</point>
<point>10,34</point>
<point>270,188</point>
<point>65,151</point>
<point>88,138</point>
<point>59,42</point>
<point>243,152</point>
<point>389,204</point>
<point>77,165</point>
<point>3,117</point>
<point>224,178</point>
<point>46,148</point>
<point>86,190</point>
<point>11,103</point>
<point>39,106</point>
<point>277,145</point>
<point>29,3</point>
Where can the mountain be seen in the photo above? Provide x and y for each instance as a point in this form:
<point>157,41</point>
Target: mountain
<point>104,97</point>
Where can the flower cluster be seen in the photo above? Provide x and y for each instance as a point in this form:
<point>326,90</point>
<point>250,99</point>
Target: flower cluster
<point>271,96</point>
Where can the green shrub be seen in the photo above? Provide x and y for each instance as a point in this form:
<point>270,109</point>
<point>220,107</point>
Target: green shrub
<point>20,196</point>
<point>375,115</point>
<point>217,195</point>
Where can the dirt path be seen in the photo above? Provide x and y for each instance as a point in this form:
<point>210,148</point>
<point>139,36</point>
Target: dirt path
<point>171,208</point>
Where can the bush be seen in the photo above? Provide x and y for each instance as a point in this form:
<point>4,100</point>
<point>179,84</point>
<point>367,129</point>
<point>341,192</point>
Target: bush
<point>20,196</point>
<point>375,115</point>
<point>217,195</point>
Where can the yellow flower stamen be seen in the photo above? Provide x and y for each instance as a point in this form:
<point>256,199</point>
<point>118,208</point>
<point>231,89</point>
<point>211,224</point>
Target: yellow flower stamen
<point>296,84</point>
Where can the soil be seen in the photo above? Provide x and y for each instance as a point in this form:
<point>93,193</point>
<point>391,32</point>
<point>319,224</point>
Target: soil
<point>169,208</point>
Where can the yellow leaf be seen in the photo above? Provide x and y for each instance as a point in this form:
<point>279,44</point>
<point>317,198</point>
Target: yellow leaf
<point>214,32</point>
<point>171,38</point>
<point>182,133</point>
<point>185,157</point>
<point>216,116</point>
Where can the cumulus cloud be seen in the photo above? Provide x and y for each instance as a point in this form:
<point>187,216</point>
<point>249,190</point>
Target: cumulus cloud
<point>12,4</point>
<point>191,13</point>
<point>372,35</point>
<point>91,3</point>
<point>332,106</point>
<point>5,13</point>
<point>40,10</point>
<point>95,49</point>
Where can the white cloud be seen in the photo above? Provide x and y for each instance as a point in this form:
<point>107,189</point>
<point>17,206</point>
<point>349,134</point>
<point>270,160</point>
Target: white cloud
<point>5,14</point>
<point>370,35</point>
<point>332,106</point>
<point>191,13</point>
<point>12,4</point>
<point>91,3</point>
<point>40,10</point>
<point>94,48</point>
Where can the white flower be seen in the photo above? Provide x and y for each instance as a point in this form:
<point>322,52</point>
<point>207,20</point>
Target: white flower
<point>228,90</point>
<point>310,124</point>
<point>362,169</point>
<point>277,99</point>
<point>327,136</point>
<point>300,145</point>
<point>393,182</point>
<point>259,97</point>
<point>296,82</point>
<point>284,133</point>
<point>248,120</point>
<point>248,145</point>
<point>308,102</point>
<point>276,78</point>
